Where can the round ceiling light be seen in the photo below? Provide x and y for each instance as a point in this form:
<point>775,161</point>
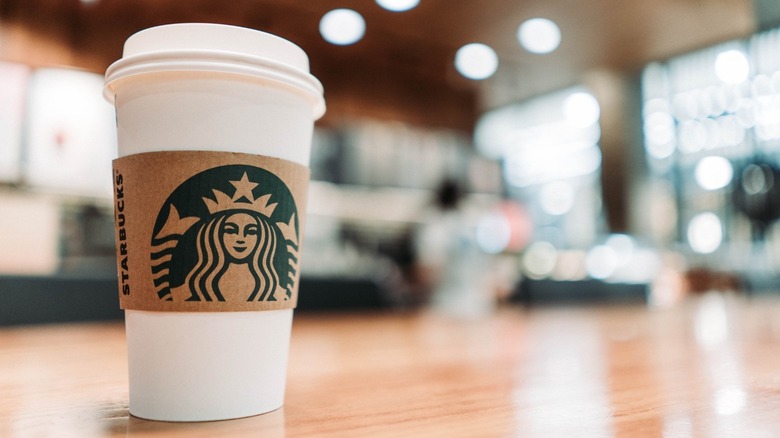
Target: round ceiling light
<point>476,61</point>
<point>398,5</point>
<point>342,27</point>
<point>539,35</point>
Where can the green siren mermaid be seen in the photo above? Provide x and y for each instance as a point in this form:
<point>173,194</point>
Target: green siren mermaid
<point>227,248</point>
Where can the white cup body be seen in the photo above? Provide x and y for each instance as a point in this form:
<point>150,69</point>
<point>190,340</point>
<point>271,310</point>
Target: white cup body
<point>201,366</point>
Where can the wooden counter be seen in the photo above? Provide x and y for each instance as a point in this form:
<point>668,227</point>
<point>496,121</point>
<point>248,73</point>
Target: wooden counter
<point>710,367</point>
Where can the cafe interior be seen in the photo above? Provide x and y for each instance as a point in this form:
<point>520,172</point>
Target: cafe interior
<point>525,218</point>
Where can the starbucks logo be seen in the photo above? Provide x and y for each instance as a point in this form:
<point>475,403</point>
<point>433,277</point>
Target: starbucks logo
<point>230,233</point>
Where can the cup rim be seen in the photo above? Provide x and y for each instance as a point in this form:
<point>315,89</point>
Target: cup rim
<point>176,56</point>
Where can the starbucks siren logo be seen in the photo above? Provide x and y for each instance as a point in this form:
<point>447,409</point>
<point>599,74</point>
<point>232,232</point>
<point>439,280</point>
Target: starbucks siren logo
<point>208,245</point>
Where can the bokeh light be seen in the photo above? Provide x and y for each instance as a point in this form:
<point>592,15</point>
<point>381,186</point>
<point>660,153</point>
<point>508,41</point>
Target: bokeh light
<point>713,173</point>
<point>659,133</point>
<point>581,109</point>
<point>342,27</point>
<point>476,61</point>
<point>398,5</point>
<point>493,233</point>
<point>732,67</point>
<point>601,262</point>
<point>705,233</point>
<point>539,35</point>
<point>556,198</point>
<point>539,260</point>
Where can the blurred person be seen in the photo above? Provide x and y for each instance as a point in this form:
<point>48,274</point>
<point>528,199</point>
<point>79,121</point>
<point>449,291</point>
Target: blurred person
<point>453,272</point>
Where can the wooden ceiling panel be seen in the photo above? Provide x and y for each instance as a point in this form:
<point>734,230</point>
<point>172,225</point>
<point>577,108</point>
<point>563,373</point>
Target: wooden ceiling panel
<point>403,66</point>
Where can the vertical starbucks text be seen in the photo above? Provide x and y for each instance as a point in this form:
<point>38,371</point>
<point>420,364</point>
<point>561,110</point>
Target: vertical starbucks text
<point>123,273</point>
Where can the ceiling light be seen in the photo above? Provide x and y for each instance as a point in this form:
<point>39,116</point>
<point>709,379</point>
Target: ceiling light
<point>342,27</point>
<point>539,35</point>
<point>398,5</point>
<point>476,61</point>
<point>732,67</point>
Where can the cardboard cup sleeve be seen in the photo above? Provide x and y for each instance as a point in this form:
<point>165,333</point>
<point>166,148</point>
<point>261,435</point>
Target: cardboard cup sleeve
<point>201,231</point>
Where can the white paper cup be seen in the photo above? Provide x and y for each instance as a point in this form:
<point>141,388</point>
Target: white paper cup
<point>211,88</point>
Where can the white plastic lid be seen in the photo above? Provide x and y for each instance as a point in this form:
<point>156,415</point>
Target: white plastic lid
<point>216,48</point>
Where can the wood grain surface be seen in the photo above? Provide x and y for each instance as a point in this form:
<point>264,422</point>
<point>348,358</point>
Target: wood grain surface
<point>710,367</point>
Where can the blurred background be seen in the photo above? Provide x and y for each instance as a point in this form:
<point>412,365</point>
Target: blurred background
<point>474,154</point>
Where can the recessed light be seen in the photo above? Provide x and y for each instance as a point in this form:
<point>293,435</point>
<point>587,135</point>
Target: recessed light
<point>539,35</point>
<point>398,5</point>
<point>342,27</point>
<point>476,61</point>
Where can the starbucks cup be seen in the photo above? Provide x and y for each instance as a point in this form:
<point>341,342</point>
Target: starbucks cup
<point>214,128</point>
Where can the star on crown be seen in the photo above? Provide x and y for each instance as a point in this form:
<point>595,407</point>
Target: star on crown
<point>243,199</point>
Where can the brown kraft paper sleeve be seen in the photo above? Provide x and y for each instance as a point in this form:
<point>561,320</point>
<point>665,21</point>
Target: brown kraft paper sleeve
<point>200,231</point>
